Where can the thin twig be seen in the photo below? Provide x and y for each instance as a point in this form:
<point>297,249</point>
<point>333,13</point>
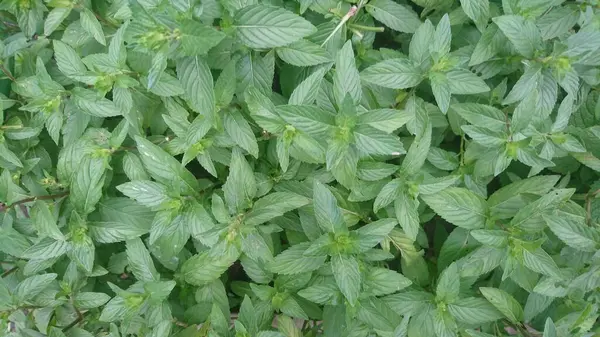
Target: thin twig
<point>7,73</point>
<point>588,206</point>
<point>10,271</point>
<point>346,17</point>
<point>4,208</point>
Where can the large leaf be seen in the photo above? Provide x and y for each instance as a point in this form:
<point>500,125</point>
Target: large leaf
<point>262,26</point>
<point>459,206</point>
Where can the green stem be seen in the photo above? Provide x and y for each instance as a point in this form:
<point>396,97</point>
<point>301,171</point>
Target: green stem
<point>366,28</point>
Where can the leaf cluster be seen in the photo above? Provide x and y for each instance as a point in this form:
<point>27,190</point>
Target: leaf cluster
<point>271,168</point>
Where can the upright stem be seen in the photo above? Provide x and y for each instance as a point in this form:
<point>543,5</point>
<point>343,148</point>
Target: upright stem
<point>4,208</point>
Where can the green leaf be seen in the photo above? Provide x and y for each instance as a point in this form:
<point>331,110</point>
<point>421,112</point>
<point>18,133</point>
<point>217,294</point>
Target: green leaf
<point>164,168</point>
<point>459,206</point>
<point>464,82</point>
<point>382,281</point>
<point>32,286</point>
<point>505,303</point>
<point>448,285</point>
<point>347,276</point>
<point>386,120</point>
<point>307,118</point>
<point>67,59</point>
<point>406,208</point>
<point>440,45</point>
<point>523,34</point>
<point>140,262</point>
<point>44,221</point>
<point>90,300</point>
<point>204,268</point>
<point>477,10</point>
<point>540,262</point>
<point>557,22</point>
<point>240,132</point>
<point>225,85</point>
<point>440,85</point>
<point>86,187</point>
<point>398,73</point>
<point>240,187</point>
<point>91,25</point>
<point>346,79</point>
<point>306,92</point>
<point>573,231</point>
<point>147,193</point>
<point>55,18</point>
<point>198,39</point>
<point>273,205</point>
<point>263,27</point>
<point>374,142</point>
<point>397,17</point>
<point>474,310</point>
<point>197,82</point>
<point>293,261</point>
<point>417,153</point>
<point>95,106</point>
<point>550,328</point>
<point>481,115</point>
<point>327,212</point>
<point>304,53</point>
<point>388,193</point>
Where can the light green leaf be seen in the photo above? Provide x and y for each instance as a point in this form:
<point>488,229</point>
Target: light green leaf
<point>474,310</point>
<point>240,187</point>
<point>328,213</point>
<point>406,209</point>
<point>147,193</point>
<point>448,285</point>
<point>44,221</point>
<point>204,268</point>
<point>263,27</point>
<point>459,206</point>
<point>374,142</point>
<point>240,132</point>
<point>573,231</point>
<point>346,79</point>
<point>523,34</point>
<point>398,17</point>
<point>198,39</point>
<point>464,82</point>
<point>197,82</point>
<point>273,205</point>
<point>32,286</point>
<point>306,92</point>
<point>481,115</point>
<point>440,86</point>
<point>90,300</point>
<point>504,302</point>
<point>540,262</point>
<point>140,262</point>
<point>304,53</point>
<point>347,276</point>
<point>398,73</point>
<point>67,59</point>
<point>387,120</point>
<point>440,45</point>
<point>557,21</point>
<point>86,187</point>
<point>90,24</point>
<point>55,18</point>
<point>383,281</point>
<point>164,168</point>
<point>293,261</point>
<point>478,11</point>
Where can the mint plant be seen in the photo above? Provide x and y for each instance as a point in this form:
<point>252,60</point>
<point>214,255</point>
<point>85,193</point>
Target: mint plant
<point>220,168</point>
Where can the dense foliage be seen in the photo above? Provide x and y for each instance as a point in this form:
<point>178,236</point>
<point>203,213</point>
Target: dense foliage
<point>300,168</point>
